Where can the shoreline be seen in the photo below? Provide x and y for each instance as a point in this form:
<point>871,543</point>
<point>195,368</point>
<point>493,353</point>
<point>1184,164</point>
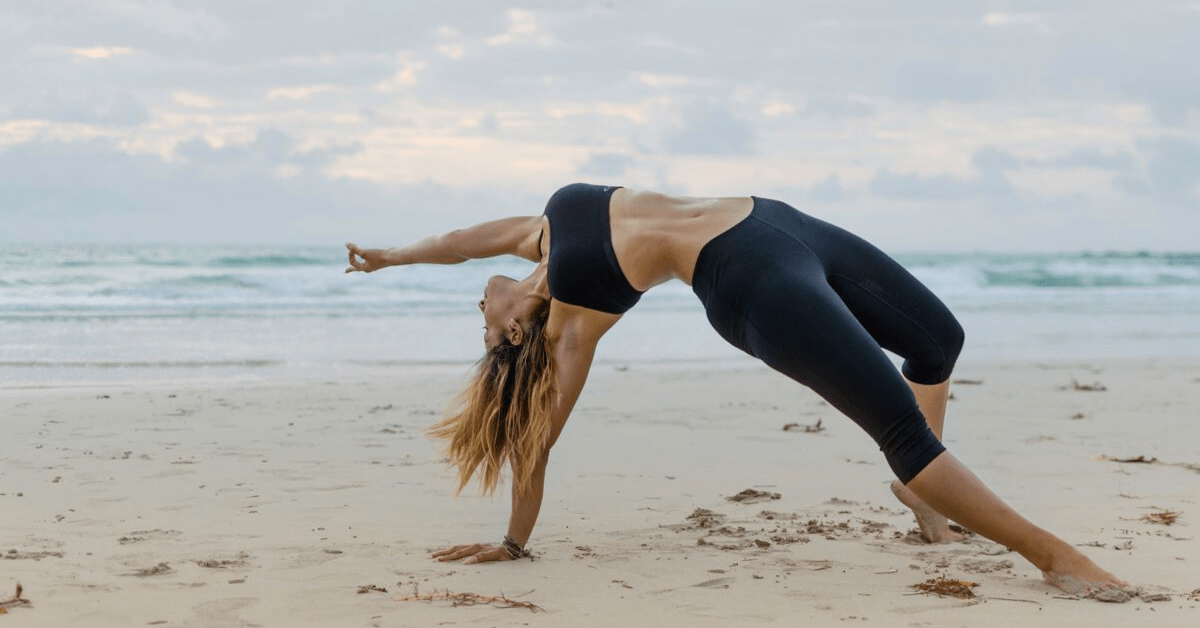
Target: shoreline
<point>273,502</point>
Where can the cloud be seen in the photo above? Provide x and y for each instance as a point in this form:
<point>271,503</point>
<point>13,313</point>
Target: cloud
<point>298,92</point>
<point>524,27</point>
<point>933,79</point>
<point>610,165</point>
<point>1171,170</point>
<point>835,106</point>
<point>1038,21</point>
<point>270,147</point>
<point>193,24</point>
<point>776,107</point>
<point>405,76</point>
<point>117,110</point>
<point>194,100</point>
<point>709,129</point>
<point>650,79</point>
<point>1094,158</point>
<point>989,182</point>
<point>230,194</point>
<point>101,52</point>
<point>829,190</point>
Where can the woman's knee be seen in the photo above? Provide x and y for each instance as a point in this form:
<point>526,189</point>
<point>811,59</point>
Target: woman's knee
<point>935,366</point>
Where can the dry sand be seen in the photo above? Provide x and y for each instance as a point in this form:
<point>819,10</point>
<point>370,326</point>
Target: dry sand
<point>317,504</point>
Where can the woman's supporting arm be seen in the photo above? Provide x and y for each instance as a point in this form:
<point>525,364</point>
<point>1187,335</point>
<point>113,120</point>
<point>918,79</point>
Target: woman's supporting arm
<point>572,361</point>
<point>507,236</point>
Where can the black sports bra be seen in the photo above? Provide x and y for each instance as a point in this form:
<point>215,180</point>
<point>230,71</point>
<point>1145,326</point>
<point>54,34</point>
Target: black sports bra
<point>583,267</point>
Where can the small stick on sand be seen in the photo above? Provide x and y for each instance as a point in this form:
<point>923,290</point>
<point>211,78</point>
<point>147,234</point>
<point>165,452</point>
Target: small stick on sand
<point>1014,599</point>
<point>807,429</point>
<point>16,600</point>
<point>469,599</point>
<point>1097,387</point>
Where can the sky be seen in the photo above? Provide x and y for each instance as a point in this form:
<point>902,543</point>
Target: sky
<point>945,125</point>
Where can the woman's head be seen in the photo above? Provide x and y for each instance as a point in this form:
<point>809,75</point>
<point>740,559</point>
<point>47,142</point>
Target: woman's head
<point>503,415</point>
<point>508,308</point>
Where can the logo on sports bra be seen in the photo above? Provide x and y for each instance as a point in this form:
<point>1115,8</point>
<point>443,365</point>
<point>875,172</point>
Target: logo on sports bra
<point>607,188</point>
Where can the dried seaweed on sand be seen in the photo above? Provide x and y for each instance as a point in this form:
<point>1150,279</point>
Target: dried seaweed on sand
<point>947,587</point>
<point>1165,517</point>
<point>1097,387</point>
<point>807,429</point>
<point>1134,460</point>
<point>752,496</point>
<point>1144,460</point>
<point>467,598</point>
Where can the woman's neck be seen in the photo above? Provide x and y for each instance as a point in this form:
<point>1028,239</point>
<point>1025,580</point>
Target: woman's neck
<point>537,284</point>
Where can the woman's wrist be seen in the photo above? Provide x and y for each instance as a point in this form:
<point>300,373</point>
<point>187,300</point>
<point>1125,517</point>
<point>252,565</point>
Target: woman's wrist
<point>514,550</point>
<point>393,257</point>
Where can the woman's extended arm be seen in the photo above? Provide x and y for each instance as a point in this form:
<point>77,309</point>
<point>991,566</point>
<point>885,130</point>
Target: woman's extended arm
<point>506,236</point>
<point>572,361</point>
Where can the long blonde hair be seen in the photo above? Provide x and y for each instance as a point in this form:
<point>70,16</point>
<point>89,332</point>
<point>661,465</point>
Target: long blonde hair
<point>503,415</point>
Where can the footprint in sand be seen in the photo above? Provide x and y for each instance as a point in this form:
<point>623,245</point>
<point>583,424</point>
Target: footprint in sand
<point>224,612</point>
<point>138,536</point>
<point>310,559</point>
<point>716,583</point>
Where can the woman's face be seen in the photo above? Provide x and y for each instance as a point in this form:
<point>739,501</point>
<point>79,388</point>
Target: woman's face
<point>499,307</point>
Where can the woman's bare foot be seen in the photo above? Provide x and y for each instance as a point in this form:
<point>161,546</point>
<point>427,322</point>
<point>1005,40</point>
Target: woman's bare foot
<point>934,527</point>
<point>1076,574</point>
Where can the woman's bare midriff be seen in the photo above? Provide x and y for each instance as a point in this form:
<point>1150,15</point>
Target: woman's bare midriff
<point>657,237</point>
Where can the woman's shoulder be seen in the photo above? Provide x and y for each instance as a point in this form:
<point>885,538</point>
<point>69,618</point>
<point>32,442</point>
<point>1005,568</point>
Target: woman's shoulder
<point>577,325</point>
<point>575,194</point>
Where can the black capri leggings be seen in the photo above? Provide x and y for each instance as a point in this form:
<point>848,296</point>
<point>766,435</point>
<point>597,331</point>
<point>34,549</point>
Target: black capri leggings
<point>818,304</point>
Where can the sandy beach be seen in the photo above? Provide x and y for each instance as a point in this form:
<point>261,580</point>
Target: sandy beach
<point>317,503</point>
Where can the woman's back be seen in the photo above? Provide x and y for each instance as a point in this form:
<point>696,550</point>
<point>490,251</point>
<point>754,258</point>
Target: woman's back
<point>657,237</point>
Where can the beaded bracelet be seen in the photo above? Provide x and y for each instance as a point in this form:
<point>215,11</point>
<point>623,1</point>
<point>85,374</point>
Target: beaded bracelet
<point>513,550</point>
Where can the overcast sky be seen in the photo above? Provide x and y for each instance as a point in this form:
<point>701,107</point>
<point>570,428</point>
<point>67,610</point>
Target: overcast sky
<point>948,125</point>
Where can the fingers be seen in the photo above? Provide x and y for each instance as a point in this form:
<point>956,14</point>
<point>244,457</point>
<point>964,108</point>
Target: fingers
<point>473,554</point>
<point>448,551</point>
<point>487,556</point>
<point>351,251</point>
<point>457,552</point>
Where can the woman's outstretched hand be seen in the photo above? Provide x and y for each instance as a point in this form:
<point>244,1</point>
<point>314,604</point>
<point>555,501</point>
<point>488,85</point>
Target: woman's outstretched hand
<point>474,553</point>
<point>365,260</point>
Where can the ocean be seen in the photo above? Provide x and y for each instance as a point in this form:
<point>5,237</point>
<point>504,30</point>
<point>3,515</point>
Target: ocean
<point>83,315</point>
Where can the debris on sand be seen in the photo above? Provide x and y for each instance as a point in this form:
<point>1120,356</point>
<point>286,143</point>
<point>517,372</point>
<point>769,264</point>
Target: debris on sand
<point>214,563</point>
<point>157,570</point>
<point>705,518</point>
<point>807,429</point>
<point>367,588</point>
<point>15,555</point>
<point>1144,460</point>
<point>467,598</point>
<point>1096,387</point>
<point>1112,596</point>
<point>947,587</point>
<point>1164,517</point>
<point>14,601</point>
<point>1134,460</point>
<point>752,496</point>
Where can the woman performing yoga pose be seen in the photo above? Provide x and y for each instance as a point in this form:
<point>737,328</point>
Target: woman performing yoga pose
<point>809,299</point>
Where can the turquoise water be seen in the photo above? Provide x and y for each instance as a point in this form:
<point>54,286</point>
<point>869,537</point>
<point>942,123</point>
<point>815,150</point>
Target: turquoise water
<point>80,314</point>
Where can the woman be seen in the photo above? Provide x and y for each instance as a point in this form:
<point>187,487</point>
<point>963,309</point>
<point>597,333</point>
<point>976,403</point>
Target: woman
<point>809,299</point>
